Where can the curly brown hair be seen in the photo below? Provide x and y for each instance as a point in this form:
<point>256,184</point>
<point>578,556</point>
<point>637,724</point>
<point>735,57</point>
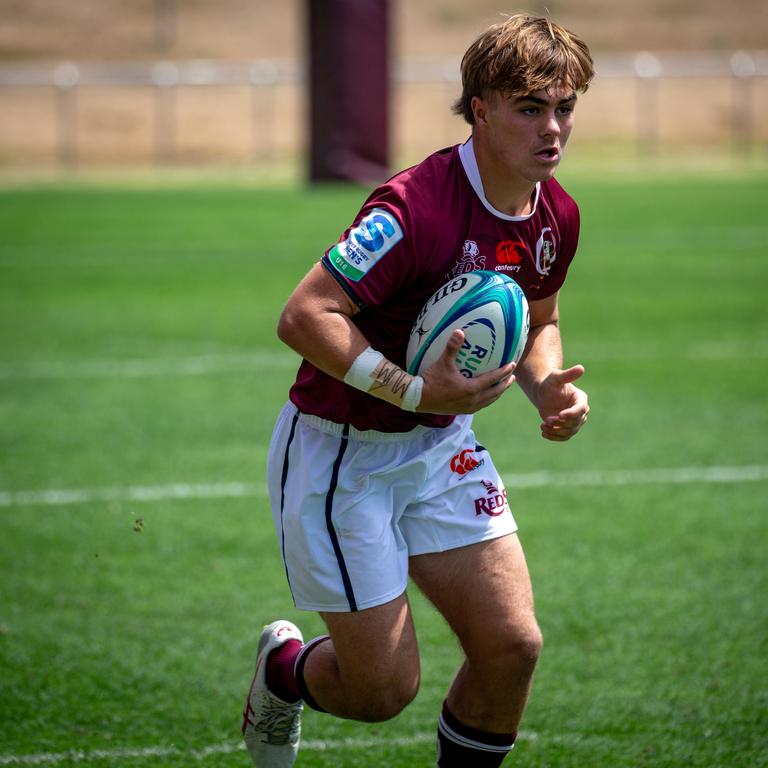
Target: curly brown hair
<point>521,55</point>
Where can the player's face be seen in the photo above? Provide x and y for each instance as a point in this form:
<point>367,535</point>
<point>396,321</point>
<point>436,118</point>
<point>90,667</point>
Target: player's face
<point>526,135</point>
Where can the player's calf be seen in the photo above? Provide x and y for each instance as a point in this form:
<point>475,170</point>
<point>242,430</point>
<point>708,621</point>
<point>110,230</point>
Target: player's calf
<point>374,703</point>
<point>492,689</point>
<point>372,692</point>
<point>479,721</point>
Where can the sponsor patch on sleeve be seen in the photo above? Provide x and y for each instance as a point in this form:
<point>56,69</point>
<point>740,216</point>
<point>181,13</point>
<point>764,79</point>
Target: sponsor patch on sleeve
<point>371,239</point>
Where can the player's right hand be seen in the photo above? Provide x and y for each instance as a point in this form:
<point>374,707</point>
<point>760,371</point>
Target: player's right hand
<point>447,392</point>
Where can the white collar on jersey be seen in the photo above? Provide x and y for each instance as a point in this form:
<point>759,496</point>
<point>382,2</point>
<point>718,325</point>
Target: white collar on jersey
<point>469,161</point>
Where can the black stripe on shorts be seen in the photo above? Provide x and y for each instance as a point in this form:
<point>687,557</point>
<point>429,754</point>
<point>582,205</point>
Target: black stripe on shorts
<point>329,521</point>
<point>283,480</point>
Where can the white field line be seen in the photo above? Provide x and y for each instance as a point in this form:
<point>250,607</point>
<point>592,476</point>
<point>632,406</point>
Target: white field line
<point>597,478</point>
<point>660,476</point>
<point>307,745</point>
<point>284,359</point>
<point>201,365</point>
<point>147,753</point>
<point>54,497</point>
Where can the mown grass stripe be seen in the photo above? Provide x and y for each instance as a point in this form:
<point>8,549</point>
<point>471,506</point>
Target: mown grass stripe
<point>225,748</point>
<point>147,753</point>
<point>285,359</point>
<point>179,491</point>
<point>200,365</point>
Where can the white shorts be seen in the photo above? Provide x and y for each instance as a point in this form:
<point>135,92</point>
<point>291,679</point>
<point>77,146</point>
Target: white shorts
<point>351,507</point>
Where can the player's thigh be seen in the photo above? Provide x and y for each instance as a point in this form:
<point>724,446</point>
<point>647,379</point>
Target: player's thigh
<point>376,648</point>
<point>484,592</point>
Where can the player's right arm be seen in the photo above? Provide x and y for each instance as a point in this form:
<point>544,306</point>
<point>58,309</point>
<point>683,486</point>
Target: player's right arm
<point>316,322</point>
<point>562,405</point>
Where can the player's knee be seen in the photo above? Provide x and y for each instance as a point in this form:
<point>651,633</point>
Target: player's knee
<point>386,700</point>
<point>516,646</point>
<point>524,642</point>
<point>529,643</point>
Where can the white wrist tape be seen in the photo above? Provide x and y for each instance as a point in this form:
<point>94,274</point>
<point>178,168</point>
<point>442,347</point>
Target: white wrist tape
<point>360,376</point>
<point>360,373</point>
<point>412,396</point>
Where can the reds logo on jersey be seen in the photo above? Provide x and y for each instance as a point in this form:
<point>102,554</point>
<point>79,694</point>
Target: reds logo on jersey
<point>470,260</point>
<point>493,503</point>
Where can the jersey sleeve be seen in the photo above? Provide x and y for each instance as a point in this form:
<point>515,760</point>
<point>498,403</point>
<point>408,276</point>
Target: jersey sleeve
<point>373,257</point>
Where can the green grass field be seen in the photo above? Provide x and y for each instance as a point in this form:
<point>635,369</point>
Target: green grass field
<point>139,380</point>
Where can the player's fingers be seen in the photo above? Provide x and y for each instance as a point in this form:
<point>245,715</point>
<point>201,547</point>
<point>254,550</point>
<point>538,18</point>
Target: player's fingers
<point>485,397</point>
<point>572,422</point>
<point>503,384</point>
<point>561,430</point>
<point>453,345</point>
<point>557,432</point>
<point>567,376</point>
<point>493,378</point>
<point>555,437</point>
<point>577,414</point>
<point>492,393</point>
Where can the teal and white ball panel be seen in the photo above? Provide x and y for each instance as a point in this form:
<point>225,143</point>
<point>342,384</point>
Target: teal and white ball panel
<point>492,311</point>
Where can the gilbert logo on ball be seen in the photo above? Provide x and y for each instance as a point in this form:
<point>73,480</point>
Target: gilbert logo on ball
<point>489,307</point>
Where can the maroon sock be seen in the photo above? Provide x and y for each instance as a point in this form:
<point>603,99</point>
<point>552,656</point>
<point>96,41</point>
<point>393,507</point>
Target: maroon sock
<point>279,674</point>
<point>301,683</point>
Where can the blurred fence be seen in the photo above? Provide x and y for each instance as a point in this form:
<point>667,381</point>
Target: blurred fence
<point>198,112</point>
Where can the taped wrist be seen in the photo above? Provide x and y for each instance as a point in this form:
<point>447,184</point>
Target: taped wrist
<point>412,396</point>
<point>371,372</point>
<point>360,373</point>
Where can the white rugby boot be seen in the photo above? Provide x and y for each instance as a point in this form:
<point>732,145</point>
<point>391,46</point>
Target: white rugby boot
<point>271,726</point>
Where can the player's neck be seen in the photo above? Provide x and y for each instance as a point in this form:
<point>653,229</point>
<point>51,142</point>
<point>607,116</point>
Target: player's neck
<point>506,191</point>
<point>513,202</point>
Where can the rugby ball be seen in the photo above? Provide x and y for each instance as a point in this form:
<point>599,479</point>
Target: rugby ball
<point>489,307</point>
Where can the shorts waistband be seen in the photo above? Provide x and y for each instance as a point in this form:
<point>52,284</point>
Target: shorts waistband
<point>366,435</point>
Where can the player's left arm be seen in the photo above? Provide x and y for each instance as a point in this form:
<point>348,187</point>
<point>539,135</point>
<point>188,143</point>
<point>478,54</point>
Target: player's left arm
<point>563,407</point>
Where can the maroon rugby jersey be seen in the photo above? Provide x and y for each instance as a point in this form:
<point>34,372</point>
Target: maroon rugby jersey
<point>425,225</point>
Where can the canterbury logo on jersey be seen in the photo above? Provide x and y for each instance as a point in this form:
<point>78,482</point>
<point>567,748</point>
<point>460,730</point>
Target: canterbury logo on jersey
<point>372,238</point>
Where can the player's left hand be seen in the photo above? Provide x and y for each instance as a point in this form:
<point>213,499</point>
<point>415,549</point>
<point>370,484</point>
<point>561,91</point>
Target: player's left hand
<point>562,406</point>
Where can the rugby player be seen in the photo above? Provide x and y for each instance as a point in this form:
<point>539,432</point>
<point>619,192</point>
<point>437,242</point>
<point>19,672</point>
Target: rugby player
<point>376,475</point>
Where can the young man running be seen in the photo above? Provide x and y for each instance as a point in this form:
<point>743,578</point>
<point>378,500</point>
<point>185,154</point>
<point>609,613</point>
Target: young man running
<point>376,475</point>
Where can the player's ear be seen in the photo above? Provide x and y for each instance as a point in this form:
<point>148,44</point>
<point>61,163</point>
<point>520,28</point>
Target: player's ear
<point>479,109</point>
